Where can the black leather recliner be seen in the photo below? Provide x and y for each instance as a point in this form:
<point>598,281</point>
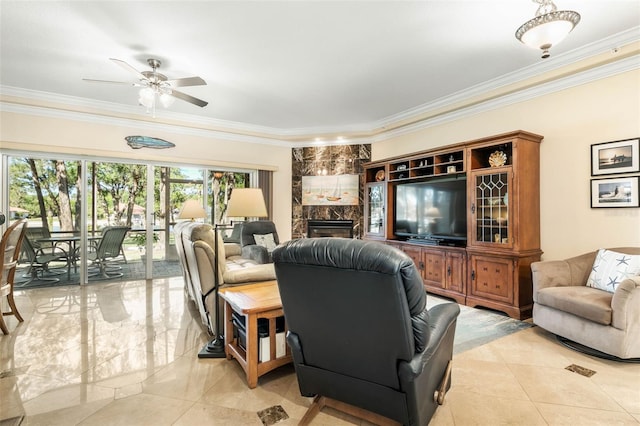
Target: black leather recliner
<point>359,329</point>
<point>250,248</point>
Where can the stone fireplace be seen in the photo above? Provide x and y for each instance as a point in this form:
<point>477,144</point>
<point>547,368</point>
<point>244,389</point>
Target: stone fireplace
<point>327,160</point>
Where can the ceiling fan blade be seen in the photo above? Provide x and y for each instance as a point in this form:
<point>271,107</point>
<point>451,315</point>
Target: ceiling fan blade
<point>187,81</point>
<point>129,68</point>
<point>189,98</point>
<point>126,83</point>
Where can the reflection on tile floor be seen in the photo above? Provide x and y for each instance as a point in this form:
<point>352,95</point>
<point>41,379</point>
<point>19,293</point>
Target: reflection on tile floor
<point>125,353</point>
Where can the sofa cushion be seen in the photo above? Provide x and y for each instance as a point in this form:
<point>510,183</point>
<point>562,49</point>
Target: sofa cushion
<point>585,302</point>
<point>611,268</point>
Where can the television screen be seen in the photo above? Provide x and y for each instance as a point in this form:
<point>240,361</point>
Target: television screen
<point>432,209</point>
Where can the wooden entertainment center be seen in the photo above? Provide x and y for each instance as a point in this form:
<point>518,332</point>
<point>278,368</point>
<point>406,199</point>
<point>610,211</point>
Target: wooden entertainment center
<point>492,268</point>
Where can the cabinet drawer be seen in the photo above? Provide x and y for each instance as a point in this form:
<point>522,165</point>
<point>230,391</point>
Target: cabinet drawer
<point>492,278</point>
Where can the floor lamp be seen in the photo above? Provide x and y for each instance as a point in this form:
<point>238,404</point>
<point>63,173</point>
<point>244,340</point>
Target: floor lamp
<point>244,202</point>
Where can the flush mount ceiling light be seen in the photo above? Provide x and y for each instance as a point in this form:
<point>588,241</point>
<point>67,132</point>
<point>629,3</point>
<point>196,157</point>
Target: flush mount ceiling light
<point>548,28</point>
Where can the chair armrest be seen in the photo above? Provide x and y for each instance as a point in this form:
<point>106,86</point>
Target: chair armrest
<point>256,253</point>
<point>442,322</point>
<point>625,305</point>
<point>550,273</point>
<point>557,273</point>
<point>52,251</point>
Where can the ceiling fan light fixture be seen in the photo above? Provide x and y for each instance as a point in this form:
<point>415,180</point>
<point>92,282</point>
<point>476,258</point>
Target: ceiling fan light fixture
<point>146,97</point>
<point>166,100</point>
<point>549,27</point>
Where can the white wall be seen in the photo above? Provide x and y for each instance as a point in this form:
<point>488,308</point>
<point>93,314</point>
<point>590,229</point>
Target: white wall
<point>570,121</point>
<point>71,136</point>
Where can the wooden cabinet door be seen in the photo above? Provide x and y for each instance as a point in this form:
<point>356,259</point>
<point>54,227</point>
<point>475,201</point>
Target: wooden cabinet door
<point>455,271</point>
<point>434,268</point>
<point>490,217</point>
<point>492,278</point>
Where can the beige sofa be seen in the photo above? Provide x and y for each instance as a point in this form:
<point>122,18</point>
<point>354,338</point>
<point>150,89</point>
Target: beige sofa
<point>565,306</point>
<point>195,246</point>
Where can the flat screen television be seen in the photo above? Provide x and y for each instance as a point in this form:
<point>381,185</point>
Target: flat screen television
<point>433,210</point>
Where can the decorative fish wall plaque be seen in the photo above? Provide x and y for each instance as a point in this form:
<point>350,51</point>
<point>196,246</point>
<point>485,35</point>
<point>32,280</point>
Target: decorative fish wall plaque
<point>137,142</point>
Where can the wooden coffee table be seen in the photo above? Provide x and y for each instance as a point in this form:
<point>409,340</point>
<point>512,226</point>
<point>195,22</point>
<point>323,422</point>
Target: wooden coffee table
<point>254,301</point>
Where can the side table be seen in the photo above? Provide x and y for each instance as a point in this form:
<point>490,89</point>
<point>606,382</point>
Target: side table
<point>254,301</point>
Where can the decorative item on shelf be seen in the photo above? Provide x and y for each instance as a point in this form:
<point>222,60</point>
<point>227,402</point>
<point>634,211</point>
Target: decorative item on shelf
<point>549,27</point>
<point>401,167</point>
<point>452,158</point>
<point>137,142</point>
<point>451,169</point>
<point>497,159</point>
<point>380,175</point>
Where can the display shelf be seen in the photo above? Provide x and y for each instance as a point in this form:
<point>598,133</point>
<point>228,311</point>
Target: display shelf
<point>490,156</point>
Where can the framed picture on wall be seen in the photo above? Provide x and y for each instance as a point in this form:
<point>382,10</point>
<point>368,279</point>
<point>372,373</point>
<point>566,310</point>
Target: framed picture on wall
<point>615,157</point>
<point>615,192</point>
<point>332,190</point>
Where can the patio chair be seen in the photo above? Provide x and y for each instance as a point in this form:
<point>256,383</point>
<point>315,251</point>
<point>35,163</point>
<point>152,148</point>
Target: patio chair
<point>9,254</point>
<point>107,250</point>
<point>40,258</point>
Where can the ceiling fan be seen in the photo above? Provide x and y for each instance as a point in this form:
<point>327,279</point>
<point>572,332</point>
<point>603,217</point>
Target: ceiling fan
<point>156,86</point>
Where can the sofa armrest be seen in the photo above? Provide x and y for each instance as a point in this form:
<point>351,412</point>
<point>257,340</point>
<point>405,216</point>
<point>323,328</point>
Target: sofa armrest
<point>253,273</point>
<point>256,253</point>
<point>232,249</point>
<point>625,304</point>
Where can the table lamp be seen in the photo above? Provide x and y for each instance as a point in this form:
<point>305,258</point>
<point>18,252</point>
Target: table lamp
<point>244,202</point>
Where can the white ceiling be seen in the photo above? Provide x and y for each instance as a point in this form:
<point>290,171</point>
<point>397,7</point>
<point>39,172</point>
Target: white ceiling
<point>289,66</point>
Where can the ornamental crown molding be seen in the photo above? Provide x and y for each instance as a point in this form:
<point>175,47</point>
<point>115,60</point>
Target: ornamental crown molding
<point>588,63</point>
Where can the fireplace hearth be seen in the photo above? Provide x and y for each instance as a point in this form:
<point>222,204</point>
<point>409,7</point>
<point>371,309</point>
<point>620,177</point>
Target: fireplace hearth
<point>317,228</point>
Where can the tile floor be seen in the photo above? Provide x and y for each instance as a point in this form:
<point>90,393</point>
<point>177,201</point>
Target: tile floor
<point>125,354</point>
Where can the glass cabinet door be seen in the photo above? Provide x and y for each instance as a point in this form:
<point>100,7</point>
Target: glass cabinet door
<point>490,208</point>
<point>375,217</point>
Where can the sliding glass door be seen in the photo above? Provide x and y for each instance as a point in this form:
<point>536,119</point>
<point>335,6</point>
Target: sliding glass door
<point>70,203</point>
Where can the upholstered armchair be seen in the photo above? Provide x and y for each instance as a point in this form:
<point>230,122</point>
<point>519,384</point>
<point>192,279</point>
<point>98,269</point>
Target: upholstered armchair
<point>566,304</point>
<point>360,333</point>
<point>258,239</point>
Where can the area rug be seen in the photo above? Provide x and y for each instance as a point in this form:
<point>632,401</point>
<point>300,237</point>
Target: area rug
<point>478,326</point>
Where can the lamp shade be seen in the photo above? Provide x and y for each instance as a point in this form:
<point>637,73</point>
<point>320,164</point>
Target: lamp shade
<point>247,202</point>
<point>192,209</point>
